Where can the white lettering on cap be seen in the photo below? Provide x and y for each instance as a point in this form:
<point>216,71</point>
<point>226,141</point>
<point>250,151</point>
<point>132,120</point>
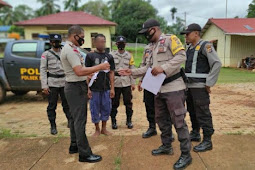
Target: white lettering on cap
<point>56,36</point>
<point>121,39</point>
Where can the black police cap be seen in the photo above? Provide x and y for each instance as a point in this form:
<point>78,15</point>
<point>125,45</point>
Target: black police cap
<point>148,24</point>
<point>55,37</point>
<point>121,39</point>
<point>191,28</point>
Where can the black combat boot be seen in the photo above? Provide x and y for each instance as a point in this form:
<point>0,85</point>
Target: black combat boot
<point>129,123</point>
<point>114,123</point>
<point>53,128</point>
<point>151,131</point>
<point>73,148</point>
<point>205,145</point>
<point>163,150</point>
<point>184,160</point>
<point>195,136</point>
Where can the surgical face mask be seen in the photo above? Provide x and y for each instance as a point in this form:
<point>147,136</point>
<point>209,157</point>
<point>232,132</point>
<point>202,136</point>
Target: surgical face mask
<point>121,46</point>
<point>80,40</point>
<point>56,44</point>
<point>149,36</point>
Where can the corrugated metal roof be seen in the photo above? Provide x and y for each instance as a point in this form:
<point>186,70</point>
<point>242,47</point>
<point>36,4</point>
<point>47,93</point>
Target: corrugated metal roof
<point>233,25</point>
<point>68,18</point>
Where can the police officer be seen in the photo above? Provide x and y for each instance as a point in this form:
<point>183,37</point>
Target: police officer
<point>167,56</point>
<point>53,80</point>
<point>148,97</point>
<point>202,69</point>
<point>76,92</point>
<point>122,84</point>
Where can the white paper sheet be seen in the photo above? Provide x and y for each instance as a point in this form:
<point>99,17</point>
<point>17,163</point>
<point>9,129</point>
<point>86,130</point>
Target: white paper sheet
<point>153,83</point>
<point>94,77</point>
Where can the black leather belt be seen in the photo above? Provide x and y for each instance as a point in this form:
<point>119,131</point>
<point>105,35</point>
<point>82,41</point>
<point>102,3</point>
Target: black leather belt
<point>172,78</point>
<point>55,75</point>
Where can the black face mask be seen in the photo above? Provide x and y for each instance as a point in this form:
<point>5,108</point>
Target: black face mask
<point>149,36</point>
<point>80,41</point>
<point>121,46</point>
<point>57,44</point>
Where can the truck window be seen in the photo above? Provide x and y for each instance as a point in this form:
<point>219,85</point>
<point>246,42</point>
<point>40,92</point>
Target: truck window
<point>47,46</point>
<point>24,49</point>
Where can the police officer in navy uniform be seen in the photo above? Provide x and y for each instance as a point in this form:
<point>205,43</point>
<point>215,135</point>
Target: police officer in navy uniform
<point>53,80</point>
<point>202,69</point>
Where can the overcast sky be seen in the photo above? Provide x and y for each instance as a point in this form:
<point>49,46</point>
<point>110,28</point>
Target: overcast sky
<point>198,11</point>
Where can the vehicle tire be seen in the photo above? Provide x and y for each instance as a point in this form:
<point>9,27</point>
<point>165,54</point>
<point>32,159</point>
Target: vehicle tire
<point>19,93</point>
<point>2,93</point>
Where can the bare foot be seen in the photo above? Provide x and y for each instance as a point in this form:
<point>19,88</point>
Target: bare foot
<point>106,132</point>
<point>96,134</point>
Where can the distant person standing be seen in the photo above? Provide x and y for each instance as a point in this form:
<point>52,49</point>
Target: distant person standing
<point>202,69</point>
<point>102,90</point>
<point>148,97</point>
<point>123,84</point>
<point>53,80</point>
<point>76,93</point>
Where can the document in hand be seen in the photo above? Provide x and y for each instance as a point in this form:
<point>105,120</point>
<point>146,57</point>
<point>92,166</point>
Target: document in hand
<point>153,83</point>
<point>94,77</point>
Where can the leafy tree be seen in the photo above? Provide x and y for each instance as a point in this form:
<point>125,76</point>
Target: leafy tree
<point>48,7</point>
<point>251,10</point>
<point>176,28</point>
<point>19,13</point>
<point>72,5</point>
<point>130,16</point>
<point>97,8</point>
<point>17,29</point>
<point>173,12</point>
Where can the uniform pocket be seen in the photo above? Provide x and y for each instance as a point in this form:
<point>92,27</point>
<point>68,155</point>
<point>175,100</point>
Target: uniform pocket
<point>126,62</point>
<point>116,61</point>
<point>52,64</point>
<point>162,57</point>
<point>179,115</point>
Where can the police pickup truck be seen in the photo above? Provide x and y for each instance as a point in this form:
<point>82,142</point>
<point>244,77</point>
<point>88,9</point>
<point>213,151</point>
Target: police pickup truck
<point>20,66</point>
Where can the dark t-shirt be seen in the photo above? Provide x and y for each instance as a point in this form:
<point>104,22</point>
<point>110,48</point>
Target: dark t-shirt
<point>102,83</point>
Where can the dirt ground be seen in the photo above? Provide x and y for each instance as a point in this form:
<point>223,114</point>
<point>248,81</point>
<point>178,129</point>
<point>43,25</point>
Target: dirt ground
<point>232,106</point>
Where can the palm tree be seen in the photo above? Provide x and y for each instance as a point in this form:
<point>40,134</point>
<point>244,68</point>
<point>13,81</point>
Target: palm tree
<point>22,12</point>
<point>72,5</point>
<point>6,16</point>
<point>173,12</point>
<point>114,4</point>
<point>48,7</point>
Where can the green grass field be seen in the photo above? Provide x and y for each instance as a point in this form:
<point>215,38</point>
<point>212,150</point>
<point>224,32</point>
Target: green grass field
<point>227,75</point>
<point>233,75</point>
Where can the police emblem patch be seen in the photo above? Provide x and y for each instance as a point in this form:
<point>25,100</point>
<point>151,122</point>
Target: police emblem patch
<point>209,48</point>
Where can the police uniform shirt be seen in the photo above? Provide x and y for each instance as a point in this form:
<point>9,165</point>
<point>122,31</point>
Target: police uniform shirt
<point>102,82</point>
<point>70,58</point>
<point>169,54</point>
<point>122,61</point>
<point>214,63</point>
<point>50,63</point>
<point>147,54</point>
